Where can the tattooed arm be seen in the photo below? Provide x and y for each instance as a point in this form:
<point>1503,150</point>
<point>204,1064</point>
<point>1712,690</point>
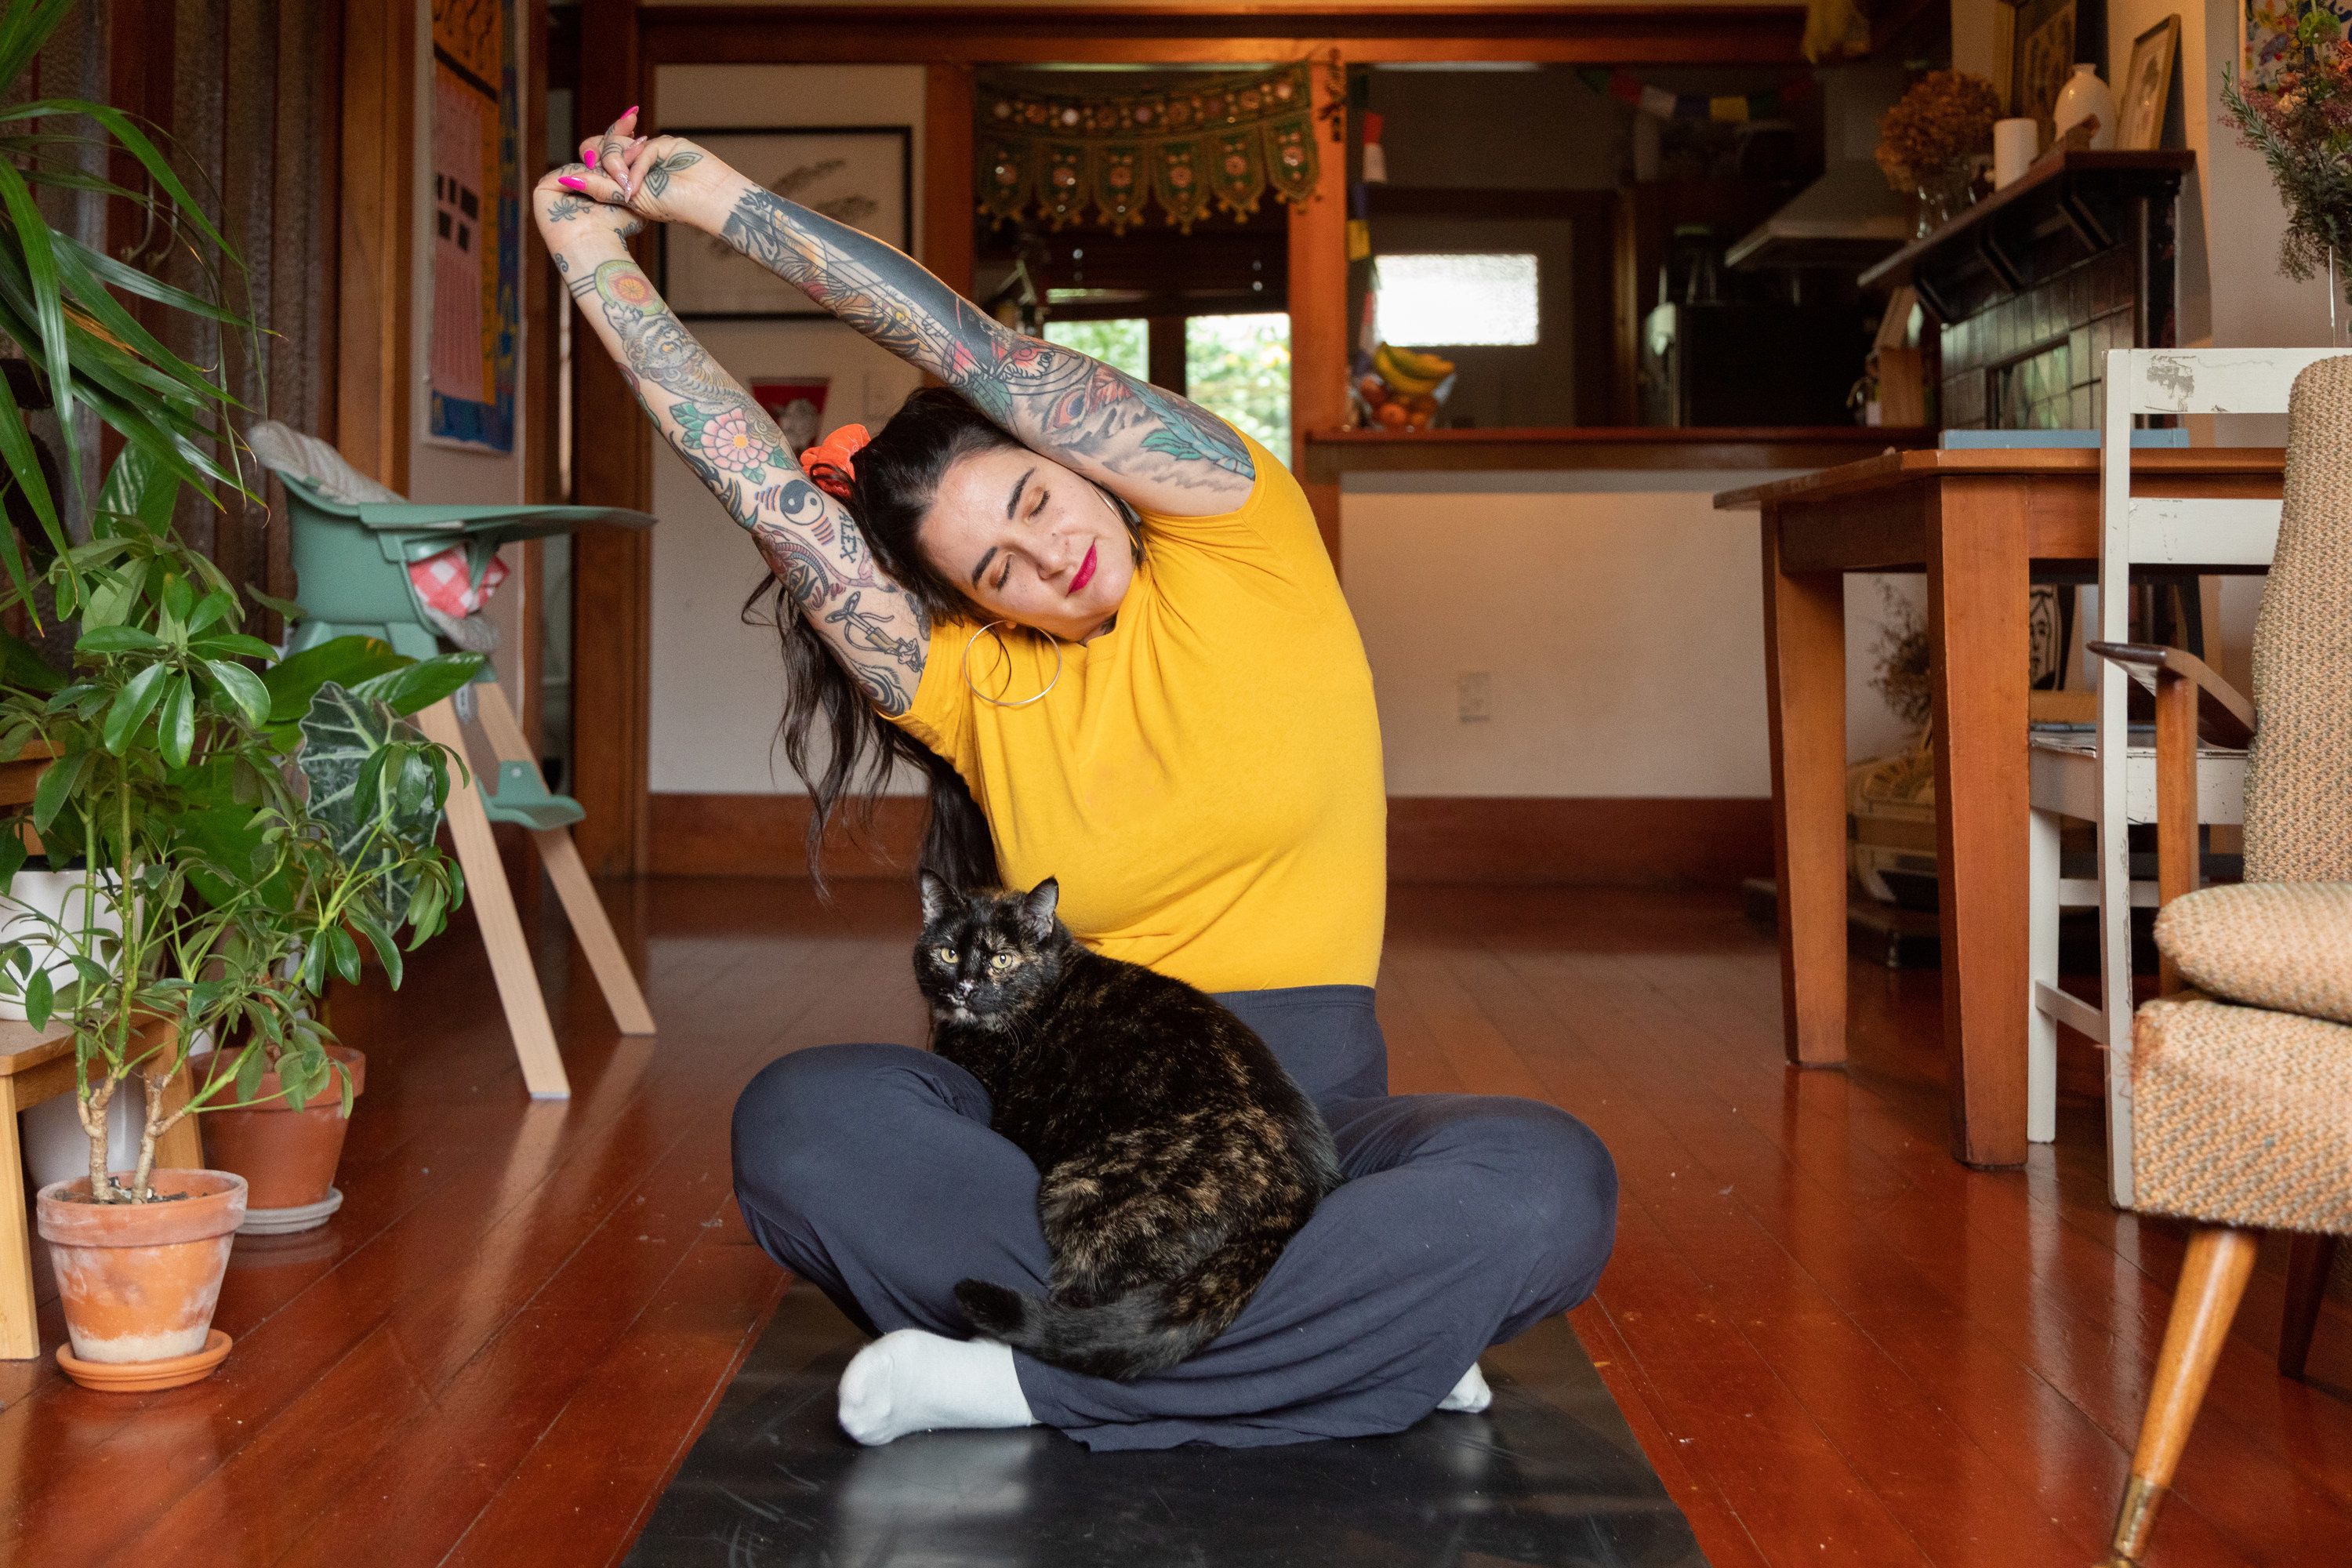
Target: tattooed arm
<point>1146,446</point>
<point>808,538</point>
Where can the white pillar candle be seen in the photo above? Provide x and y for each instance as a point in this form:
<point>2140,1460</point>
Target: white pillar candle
<point>2014,144</point>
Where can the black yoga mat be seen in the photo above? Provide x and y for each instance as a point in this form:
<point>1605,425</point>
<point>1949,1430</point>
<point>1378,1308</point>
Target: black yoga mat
<point>1548,1476</point>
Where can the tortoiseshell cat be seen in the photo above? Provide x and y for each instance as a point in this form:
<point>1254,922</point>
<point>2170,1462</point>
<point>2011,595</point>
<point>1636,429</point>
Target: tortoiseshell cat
<point>1176,1156</point>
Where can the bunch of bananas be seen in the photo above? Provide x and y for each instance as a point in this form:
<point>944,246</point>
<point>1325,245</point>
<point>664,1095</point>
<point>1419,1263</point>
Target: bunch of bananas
<point>1402,390</point>
<point>1409,372</point>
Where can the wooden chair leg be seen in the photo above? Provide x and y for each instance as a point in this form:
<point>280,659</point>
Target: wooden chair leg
<point>2041,964</point>
<point>20,1335</point>
<point>2308,1266</point>
<point>494,909</point>
<point>595,929</point>
<point>2211,1281</point>
<point>565,870</point>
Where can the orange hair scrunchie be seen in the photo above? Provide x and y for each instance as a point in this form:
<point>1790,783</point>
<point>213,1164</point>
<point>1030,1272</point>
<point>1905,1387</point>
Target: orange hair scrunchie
<point>829,464</point>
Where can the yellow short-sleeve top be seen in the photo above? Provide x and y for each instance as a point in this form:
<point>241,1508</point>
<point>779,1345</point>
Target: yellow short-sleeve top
<point>1205,777</point>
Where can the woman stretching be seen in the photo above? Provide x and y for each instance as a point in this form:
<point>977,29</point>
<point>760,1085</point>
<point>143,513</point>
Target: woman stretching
<point>1174,717</point>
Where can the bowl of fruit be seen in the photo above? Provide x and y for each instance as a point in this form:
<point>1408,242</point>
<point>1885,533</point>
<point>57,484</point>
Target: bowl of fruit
<point>1404,389</point>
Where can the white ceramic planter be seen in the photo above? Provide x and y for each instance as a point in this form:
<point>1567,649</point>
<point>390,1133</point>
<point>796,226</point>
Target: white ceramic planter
<point>56,1147</point>
<point>64,896</point>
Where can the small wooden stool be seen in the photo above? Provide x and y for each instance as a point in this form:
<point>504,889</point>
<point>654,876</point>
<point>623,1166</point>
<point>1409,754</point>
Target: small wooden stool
<point>36,1065</point>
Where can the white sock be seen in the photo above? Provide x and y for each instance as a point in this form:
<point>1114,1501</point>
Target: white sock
<point>1471,1394</point>
<point>911,1381</point>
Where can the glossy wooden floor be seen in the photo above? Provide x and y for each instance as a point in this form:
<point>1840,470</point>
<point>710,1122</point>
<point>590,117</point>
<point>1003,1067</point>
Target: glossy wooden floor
<point>1836,1345</point>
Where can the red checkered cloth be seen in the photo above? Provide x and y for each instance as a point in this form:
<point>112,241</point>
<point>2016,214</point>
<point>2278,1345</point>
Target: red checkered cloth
<point>445,581</point>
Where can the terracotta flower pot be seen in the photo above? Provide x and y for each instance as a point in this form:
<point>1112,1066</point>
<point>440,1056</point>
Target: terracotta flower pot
<point>288,1157</point>
<point>140,1280</point>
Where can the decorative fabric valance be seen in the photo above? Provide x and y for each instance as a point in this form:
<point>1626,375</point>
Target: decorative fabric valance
<point>1223,140</point>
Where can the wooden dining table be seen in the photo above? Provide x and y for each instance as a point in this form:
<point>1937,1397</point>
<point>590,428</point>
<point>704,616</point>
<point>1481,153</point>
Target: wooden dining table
<point>1981,524</point>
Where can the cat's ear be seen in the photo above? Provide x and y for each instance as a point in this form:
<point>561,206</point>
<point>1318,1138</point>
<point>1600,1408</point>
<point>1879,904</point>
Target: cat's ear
<point>1037,907</point>
<point>938,897</point>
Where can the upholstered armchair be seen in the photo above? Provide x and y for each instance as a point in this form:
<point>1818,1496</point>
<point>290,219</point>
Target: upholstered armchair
<point>2241,1071</point>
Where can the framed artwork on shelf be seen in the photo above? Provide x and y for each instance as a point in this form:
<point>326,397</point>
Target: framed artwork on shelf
<point>2147,86</point>
<point>2041,57</point>
<point>862,176</point>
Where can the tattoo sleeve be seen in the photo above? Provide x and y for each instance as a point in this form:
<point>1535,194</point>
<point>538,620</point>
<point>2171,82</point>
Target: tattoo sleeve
<point>808,539</point>
<point>1057,399</point>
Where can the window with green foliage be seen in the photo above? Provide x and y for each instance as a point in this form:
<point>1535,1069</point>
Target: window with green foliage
<point>1124,345</point>
<point>1239,367</point>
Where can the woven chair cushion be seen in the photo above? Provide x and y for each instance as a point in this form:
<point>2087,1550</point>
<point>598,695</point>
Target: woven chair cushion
<point>2282,945</point>
<point>2242,1116</point>
<point>2299,768</point>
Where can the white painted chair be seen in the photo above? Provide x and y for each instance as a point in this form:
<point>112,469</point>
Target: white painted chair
<point>2107,780</point>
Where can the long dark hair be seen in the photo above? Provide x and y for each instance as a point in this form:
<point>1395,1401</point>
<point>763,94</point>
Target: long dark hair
<point>899,474</point>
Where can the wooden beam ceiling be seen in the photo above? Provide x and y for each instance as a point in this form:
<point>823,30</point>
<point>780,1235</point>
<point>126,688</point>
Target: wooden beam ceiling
<point>1007,35</point>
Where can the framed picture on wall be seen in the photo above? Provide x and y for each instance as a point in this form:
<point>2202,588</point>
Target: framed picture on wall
<point>862,176</point>
<point>2042,58</point>
<point>2147,87</point>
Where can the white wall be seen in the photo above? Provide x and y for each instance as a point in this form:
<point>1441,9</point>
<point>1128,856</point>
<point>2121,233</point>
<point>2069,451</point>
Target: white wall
<point>1618,615</point>
<point>717,692</point>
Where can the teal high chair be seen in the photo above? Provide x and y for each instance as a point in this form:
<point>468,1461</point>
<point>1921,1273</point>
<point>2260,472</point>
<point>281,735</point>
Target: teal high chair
<point>350,564</point>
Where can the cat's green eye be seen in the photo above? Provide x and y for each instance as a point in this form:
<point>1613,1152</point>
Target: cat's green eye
<point>946,955</point>
<point>1001,961</point>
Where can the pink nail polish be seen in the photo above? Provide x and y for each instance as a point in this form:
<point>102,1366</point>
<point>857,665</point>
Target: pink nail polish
<point>571,183</point>
<point>632,108</point>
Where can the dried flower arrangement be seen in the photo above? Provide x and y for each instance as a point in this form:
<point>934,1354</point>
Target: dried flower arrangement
<point>1946,117</point>
<point>1902,675</point>
<point>2302,125</point>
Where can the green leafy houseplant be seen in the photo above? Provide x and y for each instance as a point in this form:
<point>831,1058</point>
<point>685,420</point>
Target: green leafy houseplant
<point>238,879</point>
<point>241,816</point>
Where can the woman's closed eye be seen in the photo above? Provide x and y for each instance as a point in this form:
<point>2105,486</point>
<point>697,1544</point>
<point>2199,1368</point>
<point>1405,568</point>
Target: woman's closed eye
<point>1036,510</point>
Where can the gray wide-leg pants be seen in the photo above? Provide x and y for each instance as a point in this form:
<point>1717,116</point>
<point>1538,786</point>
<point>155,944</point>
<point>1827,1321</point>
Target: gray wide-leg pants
<point>870,1171</point>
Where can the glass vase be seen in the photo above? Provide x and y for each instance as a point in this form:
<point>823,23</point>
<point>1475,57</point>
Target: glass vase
<point>1945,192</point>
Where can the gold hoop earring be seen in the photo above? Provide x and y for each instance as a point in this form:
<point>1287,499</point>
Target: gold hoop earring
<point>997,701</point>
<point>1127,522</point>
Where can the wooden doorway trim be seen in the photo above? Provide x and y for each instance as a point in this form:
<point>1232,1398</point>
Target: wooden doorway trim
<point>611,568</point>
<point>981,34</point>
<point>1319,317</point>
<point>374,315</point>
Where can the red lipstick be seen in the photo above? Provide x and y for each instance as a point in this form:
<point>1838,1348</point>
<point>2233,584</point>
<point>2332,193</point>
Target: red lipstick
<point>1086,572</point>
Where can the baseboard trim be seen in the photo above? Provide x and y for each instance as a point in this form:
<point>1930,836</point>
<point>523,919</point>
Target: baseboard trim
<point>1624,841</point>
<point>767,835</point>
<point>1634,841</point>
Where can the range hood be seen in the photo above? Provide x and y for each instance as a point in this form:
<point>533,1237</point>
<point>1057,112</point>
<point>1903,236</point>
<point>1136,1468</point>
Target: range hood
<point>1847,219</point>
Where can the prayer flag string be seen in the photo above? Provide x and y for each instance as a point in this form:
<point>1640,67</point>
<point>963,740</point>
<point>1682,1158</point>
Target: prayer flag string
<point>1625,87</point>
<point>1223,141</point>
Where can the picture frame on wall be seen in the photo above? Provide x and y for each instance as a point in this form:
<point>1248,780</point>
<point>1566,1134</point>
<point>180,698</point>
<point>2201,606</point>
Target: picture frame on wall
<point>2270,29</point>
<point>2041,57</point>
<point>862,176</point>
<point>2147,86</point>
